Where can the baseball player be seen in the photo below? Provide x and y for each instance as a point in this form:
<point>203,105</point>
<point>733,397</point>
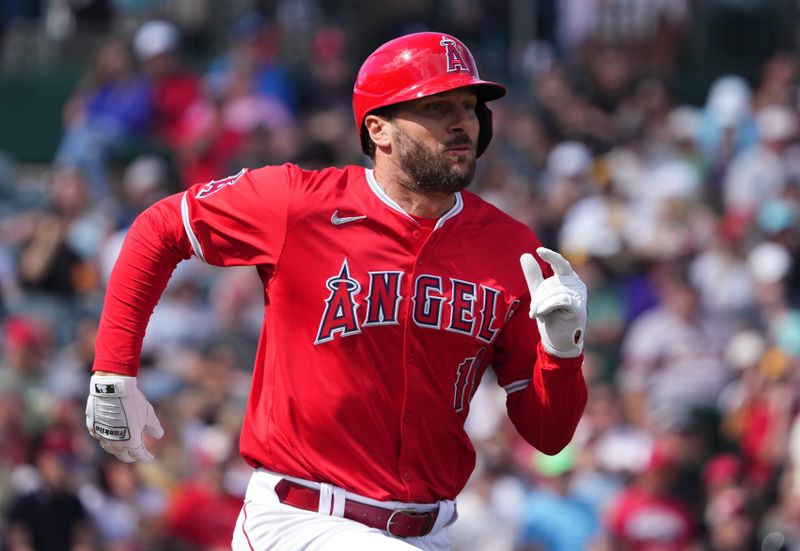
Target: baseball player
<point>388,293</point>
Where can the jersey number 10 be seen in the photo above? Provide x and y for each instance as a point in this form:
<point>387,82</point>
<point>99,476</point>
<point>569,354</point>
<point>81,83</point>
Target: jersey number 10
<point>465,379</point>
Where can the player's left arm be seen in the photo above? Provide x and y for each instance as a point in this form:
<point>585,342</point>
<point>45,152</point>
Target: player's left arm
<point>539,354</point>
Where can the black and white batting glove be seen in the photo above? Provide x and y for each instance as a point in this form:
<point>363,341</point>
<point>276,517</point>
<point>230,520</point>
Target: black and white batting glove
<point>558,303</point>
<point>117,413</point>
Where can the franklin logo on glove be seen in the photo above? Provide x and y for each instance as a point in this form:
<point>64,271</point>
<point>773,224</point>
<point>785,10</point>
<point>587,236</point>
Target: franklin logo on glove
<point>112,433</point>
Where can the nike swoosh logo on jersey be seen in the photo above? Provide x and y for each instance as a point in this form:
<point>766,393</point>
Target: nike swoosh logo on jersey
<point>337,220</point>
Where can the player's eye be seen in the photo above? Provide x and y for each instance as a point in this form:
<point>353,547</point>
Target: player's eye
<point>435,107</point>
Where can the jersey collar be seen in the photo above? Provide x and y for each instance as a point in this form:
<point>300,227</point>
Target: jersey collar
<point>378,191</point>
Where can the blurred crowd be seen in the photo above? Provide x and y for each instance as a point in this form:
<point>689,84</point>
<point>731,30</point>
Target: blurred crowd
<point>683,220</point>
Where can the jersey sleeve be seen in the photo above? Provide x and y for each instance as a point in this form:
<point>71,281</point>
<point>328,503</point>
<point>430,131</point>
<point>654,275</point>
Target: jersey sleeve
<point>546,395</point>
<point>153,247</point>
<point>235,221</point>
<point>239,220</point>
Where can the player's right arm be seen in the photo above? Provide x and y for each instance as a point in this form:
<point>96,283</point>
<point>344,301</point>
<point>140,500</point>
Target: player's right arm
<point>539,362</point>
<point>237,221</point>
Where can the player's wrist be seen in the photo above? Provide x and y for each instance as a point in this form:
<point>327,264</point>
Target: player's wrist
<point>562,352</point>
<point>112,385</point>
<point>564,342</point>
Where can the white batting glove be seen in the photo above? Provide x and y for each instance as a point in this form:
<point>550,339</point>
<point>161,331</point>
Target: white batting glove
<point>117,413</point>
<point>558,303</point>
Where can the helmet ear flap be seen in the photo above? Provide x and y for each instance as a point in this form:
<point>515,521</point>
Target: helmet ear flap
<point>484,115</point>
<point>366,144</point>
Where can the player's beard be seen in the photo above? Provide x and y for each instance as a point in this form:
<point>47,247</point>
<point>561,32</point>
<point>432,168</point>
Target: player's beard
<point>431,172</point>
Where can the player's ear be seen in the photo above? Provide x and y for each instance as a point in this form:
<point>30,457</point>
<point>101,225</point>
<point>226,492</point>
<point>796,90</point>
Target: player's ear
<point>378,129</point>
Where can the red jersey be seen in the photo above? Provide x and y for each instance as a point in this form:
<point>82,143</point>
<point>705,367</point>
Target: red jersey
<point>378,326</point>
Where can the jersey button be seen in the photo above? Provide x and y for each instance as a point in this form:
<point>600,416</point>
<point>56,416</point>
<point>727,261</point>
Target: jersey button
<point>416,234</point>
<point>419,261</point>
<point>411,358</point>
<point>407,417</point>
<point>408,476</point>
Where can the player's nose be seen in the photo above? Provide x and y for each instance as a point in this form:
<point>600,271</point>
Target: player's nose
<point>463,121</point>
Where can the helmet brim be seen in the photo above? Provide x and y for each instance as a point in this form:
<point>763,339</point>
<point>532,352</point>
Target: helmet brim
<point>484,89</point>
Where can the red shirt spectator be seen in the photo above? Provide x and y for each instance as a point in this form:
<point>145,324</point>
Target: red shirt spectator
<point>173,88</point>
<point>203,516</point>
<point>646,517</point>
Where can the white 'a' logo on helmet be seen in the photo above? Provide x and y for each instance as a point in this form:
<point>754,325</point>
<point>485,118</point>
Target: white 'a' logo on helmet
<point>455,60</point>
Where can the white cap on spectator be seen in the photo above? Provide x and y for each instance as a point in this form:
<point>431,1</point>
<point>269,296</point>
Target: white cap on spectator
<point>729,100</point>
<point>154,38</point>
<point>675,179</point>
<point>776,123</point>
<point>145,174</point>
<point>769,262</point>
<point>588,229</point>
<point>213,445</point>
<point>745,349</point>
<point>682,123</point>
<point>624,450</point>
<point>569,159</point>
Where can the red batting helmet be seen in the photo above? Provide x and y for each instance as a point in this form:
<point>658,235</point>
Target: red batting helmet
<point>418,65</point>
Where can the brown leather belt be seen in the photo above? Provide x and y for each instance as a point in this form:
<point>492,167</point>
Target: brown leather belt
<point>400,523</point>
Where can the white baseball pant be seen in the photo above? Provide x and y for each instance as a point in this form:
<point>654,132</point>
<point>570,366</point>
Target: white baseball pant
<point>266,524</point>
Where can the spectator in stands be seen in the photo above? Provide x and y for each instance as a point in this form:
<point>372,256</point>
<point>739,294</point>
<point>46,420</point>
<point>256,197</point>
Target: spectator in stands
<point>325,97</point>
<point>726,125</point>
<point>647,515</point>
<point>760,172</point>
<point>207,145</point>
<point>553,518</point>
<point>146,179</point>
<point>780,525</point>
<point>27,342</point>
<point>50,518</point>
<point>729,521</point>
<point>56,251</point>
<point>779,81</point>
<point>173,87</point>
<point>769,265</point>
<point>682,370</point>
<point>566,179</point>
<point>109,112</point>
<point>122,508</point>
<point>759,422</point>
<point>255,48</point>
<point>203,511</point>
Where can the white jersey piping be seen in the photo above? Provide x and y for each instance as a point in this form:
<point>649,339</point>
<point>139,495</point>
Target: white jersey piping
<point>381,194</point>
<point>198,250</point>
<point>517,385</point>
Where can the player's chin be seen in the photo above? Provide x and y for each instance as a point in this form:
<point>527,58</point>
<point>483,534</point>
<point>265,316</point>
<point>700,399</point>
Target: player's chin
<point>461,175</point>
<point>463,166</point>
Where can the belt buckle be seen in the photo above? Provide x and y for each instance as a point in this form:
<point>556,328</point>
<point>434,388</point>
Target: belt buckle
<point>412,513</point>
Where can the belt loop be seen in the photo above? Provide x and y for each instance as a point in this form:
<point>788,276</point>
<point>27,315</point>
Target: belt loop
<point>339,495</point>
<point>325,499</point>
<point>447,515</point>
